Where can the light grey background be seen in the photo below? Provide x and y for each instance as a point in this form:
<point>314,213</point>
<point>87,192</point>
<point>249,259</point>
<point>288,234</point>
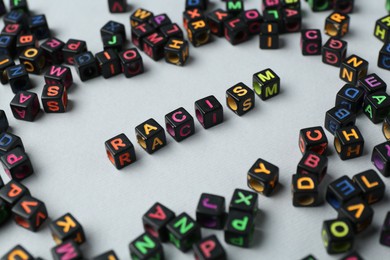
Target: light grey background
<point>73,174</point>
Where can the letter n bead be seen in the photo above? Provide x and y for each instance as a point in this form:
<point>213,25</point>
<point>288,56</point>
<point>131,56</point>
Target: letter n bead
<point>54,99</point>
<point>349,142</point>
<point>384,57</point>
<point>240,99</point>
<point>151,136</point>
<point>67,250</point>
<point>381,158</point>
<point>266,84</point>
<point>304,189</point>
<point>132,63</point>
<point>179,124</point>
<point>67,228</point>
<point>263,177</point>
<point>372,186</point>
<point>120,151</point>
<point>239,229</point>
<point>176,51</point>
<point>25,106</point>
<point>209,111</point>
<point>313,139</point>
<point>311,42</point>
<point>146,247</point>
<point>209,248</point>
<point>155,221</point>
<point>29,213</point>
<point>385,231</point>
<point>337,236</point>
<point>17,164</point>
<point>352,69</point>
<point>210,212</point>
<point>18,252</point>
<point>184,232</point>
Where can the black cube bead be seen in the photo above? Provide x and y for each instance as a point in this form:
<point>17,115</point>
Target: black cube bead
<point>146,247</point>
<point>292,18</point>
<point>109,255</point>
<point>239,229</point>
<point>313,139</point>
<point>172,31</point>
<point>109,63</point>
<point>334,51</point>
<point>381,158</point>
<point>234,7</point>
<point>176,51</point>
<point>384,57</point>
<point>385,231</point>
<point>305,190</point>
<point>337,118</point>
<point>269,36</point>
<point>120,151</point>
<point>68,249</point>
<point>337,236</point>
<point>211,211</point>
<point>29,213</point>
<point>26,41</point>
<point>86,66</point>
<point>8,142</point>
<point>372,186</point>
<point>198,32</point>
<point>155,221</point>
<point>25,106</point>
<point>266,84</point>
<point>340,191</point>
<point>140,16</point>
<point>240,99</point>
<point>67,228</point>
<point>263,177</point>
<point>358,212</point>
<point>386,127</point>
<point>193,14</point>
<point>372,83</point>
<point>8,45</point>
<point>19,5</point>
<point>5,213</point>
<point>153,46</point>
<point>52,49</point>
<point>244,201</point>
<point>184,232</point>
<point>14,29</point>
<point>5,62</point>
<point>113,42</point>
<point>16,17</point>
<point>17,164</point>
<point>351,98</point>
<point>59,75</point>
<point>253,20</point>
<point>352,255</point>
<point>117,6</point>
<point>72,48</point>
<point>337,24</point>
<point>179,124</point>
<point>54,98</point>
<point>12,192</point>
<point>311,42</point>
<point>150,136</point>
<point>209,248</point>
<point>159,20</point>
<point>39,27</point>
<point>139,32</point>
<point>131,62</point>
<point>201,4</point>
<point>113,28</point>
<point>376,106</point>
<point>313,163</point>
<point>352,69</point>
<point>33,59</point>
<point>349,142</point>
<point>18,252</point>
<point>236,31</point>
<point>216,21</point>
<point>209,111</point>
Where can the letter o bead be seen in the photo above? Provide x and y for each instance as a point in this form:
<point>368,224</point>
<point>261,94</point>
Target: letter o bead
<point>240,99</point>
<point>179,124</point>
<point>337,236</point>
<point>120,151</point>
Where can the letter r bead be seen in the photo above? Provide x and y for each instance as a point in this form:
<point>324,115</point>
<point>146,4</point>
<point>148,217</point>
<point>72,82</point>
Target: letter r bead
<point>120,151</point>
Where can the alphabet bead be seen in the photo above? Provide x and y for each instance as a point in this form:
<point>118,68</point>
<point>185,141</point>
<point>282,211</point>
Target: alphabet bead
<point>274,16</point>
<point>17,164</point>
<point>5,212</point>
<point>7,45</point>
<point>292,18</point>
<point>263,177</point>
<point>113,28</point>
<point>108,63</point>
<point>385,231</point>
<point>3,9</point>
<point>117,6</point>
<point>267,5</point>
<point>372,83</point>
<point>266,84</point>
<point>209,248</point>
<point>352,256</point>
<point>234,7</point>
<point>351,98</point>
<point>172,31</point>
<point>159,21</point>
<point>179,124</point>
<point>376,106</point>
<point>304,189</point>
<point>209,112</point>
<point>386,127</point>
<point>68,249</point>
<point>349,142</point>
<point>337,24</point>
<point>12,192</point>
<point>343,6</point>
<point>59,75</point>
<point>155,221</point>
<point>269,36</point>
<point>313,139</point>
<point>30,213</point>
<point>139,32</point>
<point>253,20</point>
<point>25,106</point>
<point>381,158</point>
<point>236,31</point>
<point>120,151</point>
<point>190,4</point>
<point>72,48</point>
<point>114,42</point>
<point>372,186</point>
<point>176,51</point>
<point>211,211</point>
<point>338,117</point>
<point>192,15</point>
<point>39,27</point>
<point>240,99</point>
<point>21,5</point>
<point>18,252</point>
<point>150,136</point>
<point>384,57</point>
<point>3,123</point>
<point>198,32</point>
<point>183,232</point>
<point>216,21</point>
<point>311,42</point>
<point>140,16</point>
<point>131,62</point>
<point>86,66</point>
<point>109,255</point>
<point>33,60</point>
<point>16,17</point>
<point>146,247</point>
<point>26,41</point>
<point>358,212</point>
<point>340,191</point>
<point>244,201</point>
<point>5,62</point>
<point>52,50</point>
<point>153,46</point>
<point>239,229</point>
<point>352,69</point>
<point>13,30</point>
<point>54,99</point>
<point>334,51</point>
<point>313,163</point>
<point>337,236</point>
<point>382,29</point>
<point>67,228</point>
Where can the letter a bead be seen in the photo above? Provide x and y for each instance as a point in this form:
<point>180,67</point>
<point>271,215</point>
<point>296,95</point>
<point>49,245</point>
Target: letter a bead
<point>155,221</point>
<point>151,136</point>
<point>120,151</point>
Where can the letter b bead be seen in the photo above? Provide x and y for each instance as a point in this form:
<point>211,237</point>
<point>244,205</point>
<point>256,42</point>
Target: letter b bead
<point>120,151</point>
<point>150,135</point>
<point>180,124</point>
<point>240,99</point>
<point>209,112</point>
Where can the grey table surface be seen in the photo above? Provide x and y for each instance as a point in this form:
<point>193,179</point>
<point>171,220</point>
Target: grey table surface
<point>73,174</point>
